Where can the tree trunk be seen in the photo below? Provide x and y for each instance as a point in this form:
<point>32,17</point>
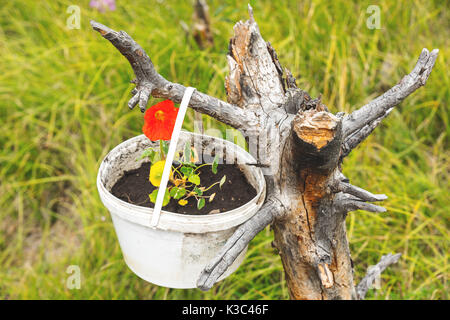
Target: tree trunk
<point>300,145</point>
<point>310,236</point>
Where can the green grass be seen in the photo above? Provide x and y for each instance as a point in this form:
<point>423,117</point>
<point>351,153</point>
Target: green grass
<point>63,100</point>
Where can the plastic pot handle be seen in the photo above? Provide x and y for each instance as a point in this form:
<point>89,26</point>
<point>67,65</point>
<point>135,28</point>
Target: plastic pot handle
<point>170,155</point>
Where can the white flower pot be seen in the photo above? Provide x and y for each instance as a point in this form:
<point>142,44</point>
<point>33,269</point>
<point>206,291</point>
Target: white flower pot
<point>175,252</point>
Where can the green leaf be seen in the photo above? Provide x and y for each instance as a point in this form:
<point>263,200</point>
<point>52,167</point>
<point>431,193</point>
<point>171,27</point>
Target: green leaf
<point>187,171</point>
<point>200,203</point>
<point>154,195</point>
<point>222,181</point>
<point>177,193</point>
<point>149,153</point>
<point>173,191</point>
<point>198,191</point>
<point>194,178</point>
<point>165,147</point>
<point>215,164</point>
<point>166,198</point>
<point>181,192</point>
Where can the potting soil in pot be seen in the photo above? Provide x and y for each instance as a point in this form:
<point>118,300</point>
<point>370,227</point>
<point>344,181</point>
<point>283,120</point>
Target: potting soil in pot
<point>134,187</point>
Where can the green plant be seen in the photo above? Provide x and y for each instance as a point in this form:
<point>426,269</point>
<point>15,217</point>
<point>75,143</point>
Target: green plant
<point>184,178</point>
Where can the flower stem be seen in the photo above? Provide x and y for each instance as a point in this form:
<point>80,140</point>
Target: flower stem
<point>161,150</point>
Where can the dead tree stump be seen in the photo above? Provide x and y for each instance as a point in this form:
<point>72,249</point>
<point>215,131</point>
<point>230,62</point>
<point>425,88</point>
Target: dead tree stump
<point>300,145</point>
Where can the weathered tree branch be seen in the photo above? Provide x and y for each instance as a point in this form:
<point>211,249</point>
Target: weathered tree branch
<point>349,197</point>
<point>359,192</point>
<point>237,242</point>
<point>150,82</point>
<point>290,79</point>
<point>254,80</point>
<point>374,272</point>
<point>358,125</point>
<point>354,139</point>
<point>345,203</point>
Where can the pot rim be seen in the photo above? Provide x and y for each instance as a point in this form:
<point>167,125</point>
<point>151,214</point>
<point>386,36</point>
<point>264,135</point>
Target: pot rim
<point>179,222</point>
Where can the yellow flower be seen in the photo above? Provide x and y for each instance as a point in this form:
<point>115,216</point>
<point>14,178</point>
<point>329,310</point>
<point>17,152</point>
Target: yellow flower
<point>156,171</point>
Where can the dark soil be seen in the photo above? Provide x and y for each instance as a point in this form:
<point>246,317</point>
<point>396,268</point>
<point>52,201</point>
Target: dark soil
<point>134,187</point>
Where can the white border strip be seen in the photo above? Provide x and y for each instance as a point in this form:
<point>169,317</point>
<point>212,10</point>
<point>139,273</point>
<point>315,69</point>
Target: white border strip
<point>170,155</point>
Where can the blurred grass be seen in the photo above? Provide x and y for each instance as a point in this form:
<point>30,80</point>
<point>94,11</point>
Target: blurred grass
<point>63,100</point>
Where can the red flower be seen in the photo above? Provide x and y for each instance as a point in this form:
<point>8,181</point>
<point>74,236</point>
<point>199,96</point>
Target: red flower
<point>160,120</point>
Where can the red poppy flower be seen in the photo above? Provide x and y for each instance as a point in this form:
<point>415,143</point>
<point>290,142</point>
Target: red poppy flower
<point>160,120</point>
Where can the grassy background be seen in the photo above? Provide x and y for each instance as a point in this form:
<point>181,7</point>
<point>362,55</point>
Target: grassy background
<point>63,97</point>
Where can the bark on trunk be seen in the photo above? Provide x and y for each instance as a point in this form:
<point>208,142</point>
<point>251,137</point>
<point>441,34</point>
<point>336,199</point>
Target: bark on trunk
<point>310,236</point>
<point>300,145</point>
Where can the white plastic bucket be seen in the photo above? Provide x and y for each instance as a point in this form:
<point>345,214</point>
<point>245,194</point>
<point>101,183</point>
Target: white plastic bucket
<point>175,252</point>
